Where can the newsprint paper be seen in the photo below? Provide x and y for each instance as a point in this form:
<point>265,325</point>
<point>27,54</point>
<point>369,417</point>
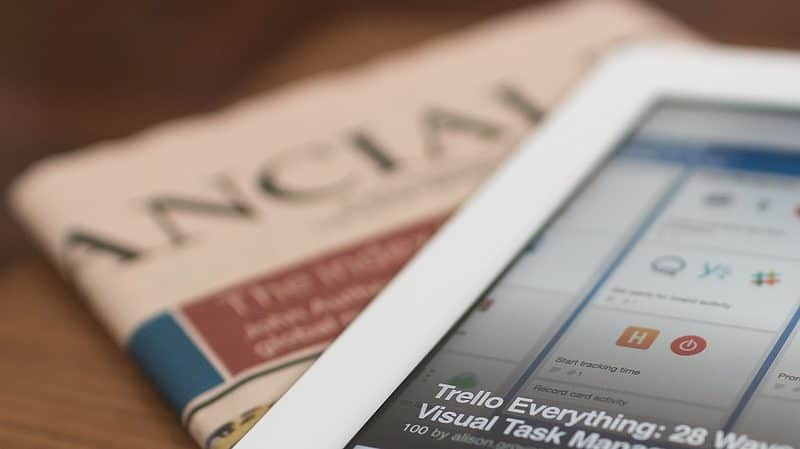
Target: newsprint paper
<point>225,252</point>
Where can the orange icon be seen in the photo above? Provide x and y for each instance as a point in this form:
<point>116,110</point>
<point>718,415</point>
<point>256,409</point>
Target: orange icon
<point>637,337</point>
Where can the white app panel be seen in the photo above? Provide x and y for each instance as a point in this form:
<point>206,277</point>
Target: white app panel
<point>704,285</point>
<point>590,354</point>
<point>772,413</point>
<point>745,213</point>
<point>510,322</point>
<point>563,261</point>
<point>783,379</point>
<point>770,419</point>
<point>619,197</point>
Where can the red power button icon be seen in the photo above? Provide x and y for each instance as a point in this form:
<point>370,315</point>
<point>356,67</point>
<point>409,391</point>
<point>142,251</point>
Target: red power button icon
<point>688,345</point>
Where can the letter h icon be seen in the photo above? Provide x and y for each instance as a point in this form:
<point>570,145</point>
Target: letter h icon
<point>637,337</point>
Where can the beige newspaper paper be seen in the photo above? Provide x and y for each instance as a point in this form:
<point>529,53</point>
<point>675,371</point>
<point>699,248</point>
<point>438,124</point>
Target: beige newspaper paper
<point>225,252</point>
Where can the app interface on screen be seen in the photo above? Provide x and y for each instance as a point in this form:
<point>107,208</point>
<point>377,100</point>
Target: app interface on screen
<point>658,310</point>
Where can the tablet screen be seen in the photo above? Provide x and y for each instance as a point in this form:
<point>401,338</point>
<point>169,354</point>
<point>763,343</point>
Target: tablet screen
<point>659,309</point>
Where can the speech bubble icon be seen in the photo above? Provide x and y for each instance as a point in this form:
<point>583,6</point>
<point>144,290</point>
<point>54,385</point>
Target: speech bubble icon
<point>669,265</point>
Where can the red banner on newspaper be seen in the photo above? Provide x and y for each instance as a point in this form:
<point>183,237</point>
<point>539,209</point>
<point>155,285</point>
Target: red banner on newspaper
<point>304,305</point>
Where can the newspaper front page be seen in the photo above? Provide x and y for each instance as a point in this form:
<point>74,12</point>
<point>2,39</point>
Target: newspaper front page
<point>225,252</point>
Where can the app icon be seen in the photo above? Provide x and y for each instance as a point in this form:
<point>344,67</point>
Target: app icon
<point>486,304</point>
<point>669,265</point>
<point>718,199</point>
<point>718,271</point>
<point>688,345</point>
<point>637,337</point>
<point>464,380</point>
<point>766,278</point>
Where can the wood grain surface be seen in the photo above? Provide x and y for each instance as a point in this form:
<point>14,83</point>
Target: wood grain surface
<point>63,382</point>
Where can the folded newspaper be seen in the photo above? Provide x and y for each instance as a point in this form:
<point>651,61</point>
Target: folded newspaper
<point>225,252</point>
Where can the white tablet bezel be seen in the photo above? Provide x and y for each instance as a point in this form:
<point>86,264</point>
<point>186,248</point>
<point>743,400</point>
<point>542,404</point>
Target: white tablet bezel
<point>351,380</point>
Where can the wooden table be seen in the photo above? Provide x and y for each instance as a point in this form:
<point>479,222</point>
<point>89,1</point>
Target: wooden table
<point>64,384</point>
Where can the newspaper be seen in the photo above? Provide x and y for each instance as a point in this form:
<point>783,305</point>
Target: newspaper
<point>225,252</point>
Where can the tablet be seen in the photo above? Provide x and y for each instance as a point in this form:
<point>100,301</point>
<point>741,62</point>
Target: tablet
<point>630,278</point>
